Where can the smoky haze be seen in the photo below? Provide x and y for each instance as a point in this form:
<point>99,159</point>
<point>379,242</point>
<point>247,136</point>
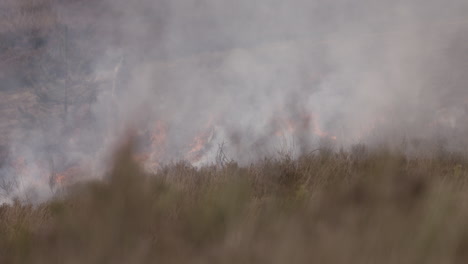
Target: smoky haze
<point>257,77</point>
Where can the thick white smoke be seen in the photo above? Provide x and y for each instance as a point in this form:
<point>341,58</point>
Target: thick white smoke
<point>259,77</point>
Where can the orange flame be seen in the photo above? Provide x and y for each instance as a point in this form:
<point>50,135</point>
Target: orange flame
<point>59,179</point>
<point>66,176</point>
<point>196,148</point>
<point>318,131</point>
<point>200,143</point>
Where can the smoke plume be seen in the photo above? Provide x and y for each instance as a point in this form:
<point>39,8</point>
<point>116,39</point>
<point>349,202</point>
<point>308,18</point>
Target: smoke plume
<point>256,77</point>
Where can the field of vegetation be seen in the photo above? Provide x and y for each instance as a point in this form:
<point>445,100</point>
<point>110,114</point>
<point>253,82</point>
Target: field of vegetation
<point>362,206</point>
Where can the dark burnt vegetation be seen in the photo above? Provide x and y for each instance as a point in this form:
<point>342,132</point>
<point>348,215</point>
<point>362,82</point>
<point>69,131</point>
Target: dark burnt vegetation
<point>47,76</point>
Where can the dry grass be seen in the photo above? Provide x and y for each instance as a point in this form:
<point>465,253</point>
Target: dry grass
<point>366,207</point>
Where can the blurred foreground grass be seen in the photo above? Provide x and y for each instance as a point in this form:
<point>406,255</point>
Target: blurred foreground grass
<point>364,207</point>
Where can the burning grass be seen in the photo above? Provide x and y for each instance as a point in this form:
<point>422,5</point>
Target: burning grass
<point>359,207</point>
